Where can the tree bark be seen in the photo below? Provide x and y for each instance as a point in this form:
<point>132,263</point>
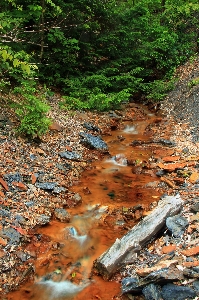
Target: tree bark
<point>121,251</point>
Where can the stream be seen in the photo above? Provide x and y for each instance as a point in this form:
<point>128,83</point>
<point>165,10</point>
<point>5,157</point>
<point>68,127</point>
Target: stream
<point>116,192</point>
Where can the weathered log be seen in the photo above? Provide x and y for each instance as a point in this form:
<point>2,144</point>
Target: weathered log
<point>137,237</point>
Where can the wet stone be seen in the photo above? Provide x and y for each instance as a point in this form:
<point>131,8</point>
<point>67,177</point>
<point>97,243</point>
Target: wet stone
<point>43,220</point>
<point>174,292</point>
<point>90,126</point>
<point>152,292</point>
<point>77,198</point>
<point>62,215</point>
<point>71,155</point>
<point>93,141</point>
<point>177,225</point>
<point>46,185</point>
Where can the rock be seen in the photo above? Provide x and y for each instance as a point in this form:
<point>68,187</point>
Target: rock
<point>12,178</point>
<point>71,155</point>
<point>55,126</point>
<point>195,207</point>
<point>160,276</point>
<point>196,286</point>
<point>166,142</point>
<point>59,189</point>
<point>191,272</point>
<point>177,225</point>
<point>160,173</point>
<point>93,141</point>
<point>77,198</point>
<point>5,213</point>
<point>12,235</point>
<point>120,159</point>
<point>152,292</point>
<point>158,266</point>
<point>175,292</point>
<point>20,219</point>
<point>128,284</point>
<point>91,126</point>
<point>168,249</point>
<point>42,220</point>
<point>62,215</point>
<point>46,185</point>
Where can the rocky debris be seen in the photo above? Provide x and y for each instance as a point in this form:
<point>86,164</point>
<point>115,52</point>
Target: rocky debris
<point>43,220</point>
<point>71,155</point>
<point>62,215</point>
<point>91,127</point>
<point>92,141</point>
<point>49,186</point>
<point>176,292</point>
<point>177,225</point>
<point>171,274</point>
<point>152,292</point>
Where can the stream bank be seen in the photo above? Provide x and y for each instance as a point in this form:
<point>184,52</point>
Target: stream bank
<point>32,164</point>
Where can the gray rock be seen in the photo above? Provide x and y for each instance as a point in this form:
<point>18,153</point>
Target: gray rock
<point>175,292</point>
<point>5,213</point>
<point>92,141</point>
<point>129,284</point>
<point>43,220</point>
<point>59,189</point>
<point>13,177</point>
<point>30,203</point>
<point>46,185</point>
<point>166,142</point>
<point>195,207</point>
<point>62,215</point>
<point>90,126</point>
<point>20,219</point>
<point>191,272</point>
<point>177,225</point>
<point>152,292</point>
<point>71,155</point>
<point>12,235</point>
<point>77,198</point>
<point>161,276</point>
<point>196,286</point>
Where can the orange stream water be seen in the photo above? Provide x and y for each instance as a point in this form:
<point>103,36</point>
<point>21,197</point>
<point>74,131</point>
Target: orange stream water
<point>104,184</point>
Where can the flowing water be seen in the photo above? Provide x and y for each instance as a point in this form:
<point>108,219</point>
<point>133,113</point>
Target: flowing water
<point>115,192</point>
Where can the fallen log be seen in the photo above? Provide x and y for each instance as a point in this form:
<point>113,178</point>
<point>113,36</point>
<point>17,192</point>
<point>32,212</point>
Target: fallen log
<point>111,260</point>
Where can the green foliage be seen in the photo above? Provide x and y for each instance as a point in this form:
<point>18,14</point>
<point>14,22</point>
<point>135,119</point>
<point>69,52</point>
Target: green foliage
<point>193,82</point>
<point>157,90</point>
<point>31,110</point>
<point>98,53</point>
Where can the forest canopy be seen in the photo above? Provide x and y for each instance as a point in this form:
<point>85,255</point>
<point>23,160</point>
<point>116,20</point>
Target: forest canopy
<point>96,53</point>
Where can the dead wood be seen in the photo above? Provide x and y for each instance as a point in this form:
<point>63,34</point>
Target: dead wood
<point>137,237</point>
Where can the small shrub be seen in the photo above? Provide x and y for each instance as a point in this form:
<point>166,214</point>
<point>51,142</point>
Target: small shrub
<point>31,110</point>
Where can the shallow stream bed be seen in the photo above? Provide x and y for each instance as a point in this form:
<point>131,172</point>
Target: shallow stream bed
<point>116,193</point>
